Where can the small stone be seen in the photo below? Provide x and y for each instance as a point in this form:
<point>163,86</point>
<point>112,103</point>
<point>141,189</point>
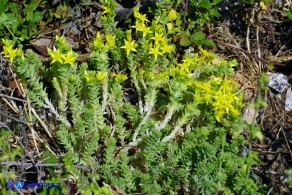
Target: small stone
<point>278,81</point>
<point>41,45</point>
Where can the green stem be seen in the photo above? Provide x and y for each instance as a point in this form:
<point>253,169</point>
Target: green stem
<point>105,94</point>
<point>170,112</point>
<point>14,37</point>
<point>135,81</point>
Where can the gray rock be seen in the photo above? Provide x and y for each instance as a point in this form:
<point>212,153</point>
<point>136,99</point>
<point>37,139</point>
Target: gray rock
<point>124,13</point>
<point>278,81</point>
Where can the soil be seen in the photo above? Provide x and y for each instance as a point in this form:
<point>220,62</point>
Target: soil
<point>256,36</point>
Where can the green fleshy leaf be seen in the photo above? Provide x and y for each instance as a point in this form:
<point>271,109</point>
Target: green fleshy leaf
<point>3,5</point>
<point>289,14</point>
<point>37,16</point>
<point>184,41</point>
<point>205,4</point>
<point>208,43</point>
<point>214,12</point>
<point>198,36</point>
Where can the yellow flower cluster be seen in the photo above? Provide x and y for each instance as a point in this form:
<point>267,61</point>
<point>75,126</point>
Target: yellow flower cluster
<point>206,56</point>
<point>160,45</point>
<point>93,77</point>
<point>64,54</point>
<point>9,52</point>
<point>189,63</point>
<point>141,19</point>
<point>63,58</point>
<point>108,7</point>
<point>220,95</point>
<point>157,44</point>
<point>100,44</point>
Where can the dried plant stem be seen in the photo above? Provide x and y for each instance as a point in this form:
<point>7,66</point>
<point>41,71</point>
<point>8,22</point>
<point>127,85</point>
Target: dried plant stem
<point>259,49</point>
<point>247,39</point>
<point>12,107</point>
<point>41,164</point>
<point>246,52</point>
<point>42,122</point>
<point>12,98</point>
<point>287,142</point>
<point>34,134</point>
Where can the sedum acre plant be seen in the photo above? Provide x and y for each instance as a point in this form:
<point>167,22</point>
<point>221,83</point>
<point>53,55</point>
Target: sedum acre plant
<point>142,119</point>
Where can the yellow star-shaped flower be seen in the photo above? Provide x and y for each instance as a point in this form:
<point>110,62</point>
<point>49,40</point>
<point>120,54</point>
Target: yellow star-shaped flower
<point>106,10</point>
<point>11,53</point>
<point>188,60</point>
<point>158,37</point>
<point>155,51</point>
<point>141,17</point>
<point>145,30</point>
<point>138,26</point>
<point>56,55</point>
<point>69,58</point>
<point>8,50</point>
<point>129,46</point>
<point>167,49</point>
<point>184,67</point>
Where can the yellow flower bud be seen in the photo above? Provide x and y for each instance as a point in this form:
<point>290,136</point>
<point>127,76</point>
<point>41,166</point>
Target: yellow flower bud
<point>172,15</point>
<point>121,77</point>
<point>61,41</point>
<point>100,76</point>
<point>169,26</point>
<point>110,40</point>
